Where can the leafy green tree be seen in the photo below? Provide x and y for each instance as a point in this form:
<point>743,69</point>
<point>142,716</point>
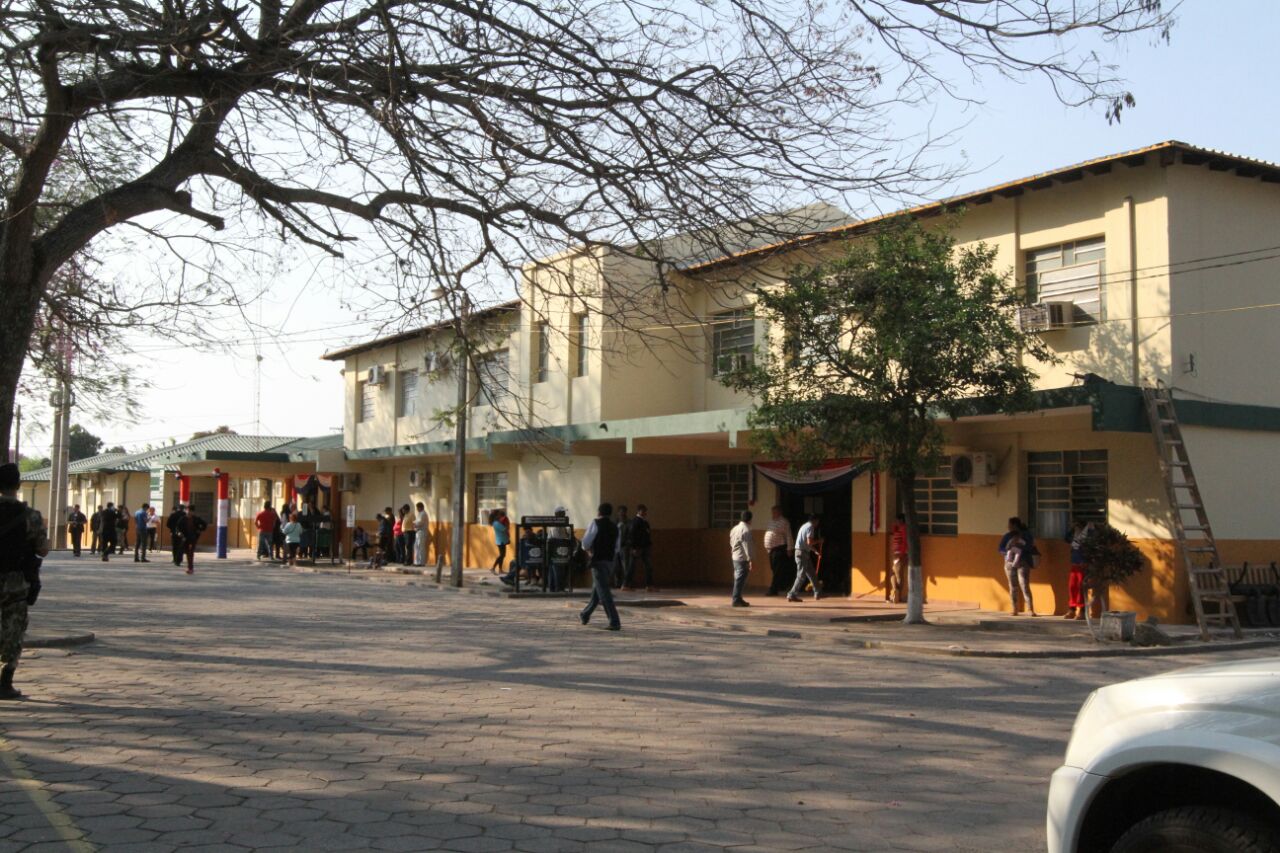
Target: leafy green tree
<point>32,463</point>
<point>82,443</point>
<point>876,347</point>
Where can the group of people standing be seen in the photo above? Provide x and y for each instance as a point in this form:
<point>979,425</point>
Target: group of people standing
<point>632,550</point>
<point>403,537</point>
<point>1018,548</point>
<point>109,528</point>
<point>794,565</point>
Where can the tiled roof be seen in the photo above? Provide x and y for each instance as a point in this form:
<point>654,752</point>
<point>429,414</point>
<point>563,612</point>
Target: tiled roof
<point>412,334</point>
<point>1192,155</point>
<point>171,456</point>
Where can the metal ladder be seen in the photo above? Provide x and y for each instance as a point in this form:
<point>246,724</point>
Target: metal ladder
<point>1210,590</point>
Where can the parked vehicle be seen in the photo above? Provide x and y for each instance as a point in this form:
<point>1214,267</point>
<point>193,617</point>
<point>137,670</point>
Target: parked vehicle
<point>1184,762</point>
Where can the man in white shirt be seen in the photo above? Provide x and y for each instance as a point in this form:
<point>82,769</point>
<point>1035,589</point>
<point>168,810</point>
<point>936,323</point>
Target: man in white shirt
<point>421,521</point>
<point>807,540</point>
<point>740,551</point>
<point>777,544</point>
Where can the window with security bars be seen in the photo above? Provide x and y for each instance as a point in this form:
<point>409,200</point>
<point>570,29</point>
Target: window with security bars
<point>491,493</point>
<point>493,378</point>
<point>729,493</point>
<point>733,340</point>
<point>1063,485</point>
<point>937,503</point>
<point>408,393</point>
<point>1070,272</point>
<point>368,395</point>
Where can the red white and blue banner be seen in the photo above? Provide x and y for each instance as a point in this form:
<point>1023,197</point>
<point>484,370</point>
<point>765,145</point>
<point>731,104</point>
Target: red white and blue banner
<point>831,474</point>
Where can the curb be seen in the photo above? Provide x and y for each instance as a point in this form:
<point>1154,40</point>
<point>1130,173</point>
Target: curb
<point>907,647</point>
<point>69,642</point>
<point>865,643</point>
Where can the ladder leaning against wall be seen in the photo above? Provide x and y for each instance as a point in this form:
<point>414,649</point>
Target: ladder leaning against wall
<point>1210,591</point>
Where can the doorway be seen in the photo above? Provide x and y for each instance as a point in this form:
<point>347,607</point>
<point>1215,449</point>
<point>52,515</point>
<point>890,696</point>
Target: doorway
<point>835,507</point>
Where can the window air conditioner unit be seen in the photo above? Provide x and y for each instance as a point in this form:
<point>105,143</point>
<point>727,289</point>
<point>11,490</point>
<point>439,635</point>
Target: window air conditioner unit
<point>973,469</point>
<point>377,375</point>
<point>1044,316</point>
<point>350,483</point>
<point>417,479</point>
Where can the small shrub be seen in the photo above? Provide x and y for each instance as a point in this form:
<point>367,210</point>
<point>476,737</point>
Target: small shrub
<point>1110,558</point>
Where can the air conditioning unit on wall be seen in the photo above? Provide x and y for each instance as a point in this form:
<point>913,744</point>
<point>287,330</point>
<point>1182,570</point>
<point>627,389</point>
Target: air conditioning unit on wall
<point>418,479</point>
<point>973,469</point>
<point>376,375</point>
<point>350,483</point>
<point>434,362</point>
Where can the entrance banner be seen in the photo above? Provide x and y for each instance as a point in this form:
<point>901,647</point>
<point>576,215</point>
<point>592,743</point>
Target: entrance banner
<point>831,474</point>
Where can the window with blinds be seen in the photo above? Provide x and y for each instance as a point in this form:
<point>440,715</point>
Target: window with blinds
<point>368,397</point>
<point>408,393</point>
<point>1063,485</point>
<point>937,503</point>
<point>729,493</point>
<point>493,378</point>
<point>1070,272</point>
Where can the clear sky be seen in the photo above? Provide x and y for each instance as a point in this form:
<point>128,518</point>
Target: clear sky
<point>1214,85</point>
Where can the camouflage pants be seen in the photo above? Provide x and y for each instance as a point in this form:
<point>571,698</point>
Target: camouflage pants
<point>13,617</point>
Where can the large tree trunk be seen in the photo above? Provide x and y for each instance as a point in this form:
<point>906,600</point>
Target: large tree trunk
<point>915,573</point>
<point>19,299</point>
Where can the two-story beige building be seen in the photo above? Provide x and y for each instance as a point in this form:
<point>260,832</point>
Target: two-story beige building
<point>1159,263</point>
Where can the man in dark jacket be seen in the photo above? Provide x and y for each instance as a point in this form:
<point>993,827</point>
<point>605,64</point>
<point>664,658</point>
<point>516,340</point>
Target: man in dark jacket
<point>107,534</point>
<point>95,530</point>
<point>189,529</point>
<point>601,543</point>
<point>75,526</point>
<point>22,546</point>
<point>640,541</point>
<point>171,524</point>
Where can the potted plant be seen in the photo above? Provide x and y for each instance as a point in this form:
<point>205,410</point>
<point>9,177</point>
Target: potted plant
<point>1110,560</point>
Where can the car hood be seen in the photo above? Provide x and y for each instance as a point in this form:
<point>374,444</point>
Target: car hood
<point>1237,700</point>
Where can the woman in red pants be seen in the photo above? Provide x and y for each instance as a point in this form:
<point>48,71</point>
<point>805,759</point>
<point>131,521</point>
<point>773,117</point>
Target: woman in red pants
<point>1079,531</point>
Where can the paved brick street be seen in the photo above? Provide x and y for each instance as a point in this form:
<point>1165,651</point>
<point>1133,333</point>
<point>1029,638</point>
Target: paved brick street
<point>253,708</point>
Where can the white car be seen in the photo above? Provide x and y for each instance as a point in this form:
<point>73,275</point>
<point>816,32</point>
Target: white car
<point>1184,762</point>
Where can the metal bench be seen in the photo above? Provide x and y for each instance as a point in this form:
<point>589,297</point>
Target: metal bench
<point>1256,591</point>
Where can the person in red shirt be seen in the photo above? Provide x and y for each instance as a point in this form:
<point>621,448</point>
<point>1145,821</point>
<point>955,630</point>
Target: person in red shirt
<point>894,588</point>
<point>266,524</point>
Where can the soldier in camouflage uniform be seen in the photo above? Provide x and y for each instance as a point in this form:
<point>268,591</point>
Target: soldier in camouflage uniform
<point>22,546</point>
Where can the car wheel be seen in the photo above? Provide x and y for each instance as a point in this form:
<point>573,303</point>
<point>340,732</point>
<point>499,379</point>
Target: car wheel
<point>1195,829</point>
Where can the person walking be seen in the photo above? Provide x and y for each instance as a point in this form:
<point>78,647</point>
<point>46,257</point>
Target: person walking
<point>894,588</point>
<point>501,537</point>
<point>777,544</point>
<point>140,534</point>
<point>640,543</point>
<point>153,528</point>
<point>423,525</point>
<point>191,526</point>
<point>107,537</point>
<point>76,522</point>
<point>1078,533</point>
<point>1018,550</point>
<point>172,524</point>
<point>293,539</point>
<point>95,530</point>
<point>123,520</point>
<point>808,540</point>
<point>601,543</point>
<point>265,521</point>
<point>22,547</point>
<point>409,524</point>
<point>741,552</point>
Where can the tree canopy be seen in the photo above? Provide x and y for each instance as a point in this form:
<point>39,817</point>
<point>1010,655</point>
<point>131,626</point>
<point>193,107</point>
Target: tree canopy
<point>81,444</point>
<point>462,135</point>
<point>872,350</point>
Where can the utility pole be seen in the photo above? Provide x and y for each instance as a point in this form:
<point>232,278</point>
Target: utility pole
<point>462,364</point>
<point>56,518</point>
<point>15,451</point>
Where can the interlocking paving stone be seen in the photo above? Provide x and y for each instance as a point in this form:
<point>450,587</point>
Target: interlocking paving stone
<point>256,709</point>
